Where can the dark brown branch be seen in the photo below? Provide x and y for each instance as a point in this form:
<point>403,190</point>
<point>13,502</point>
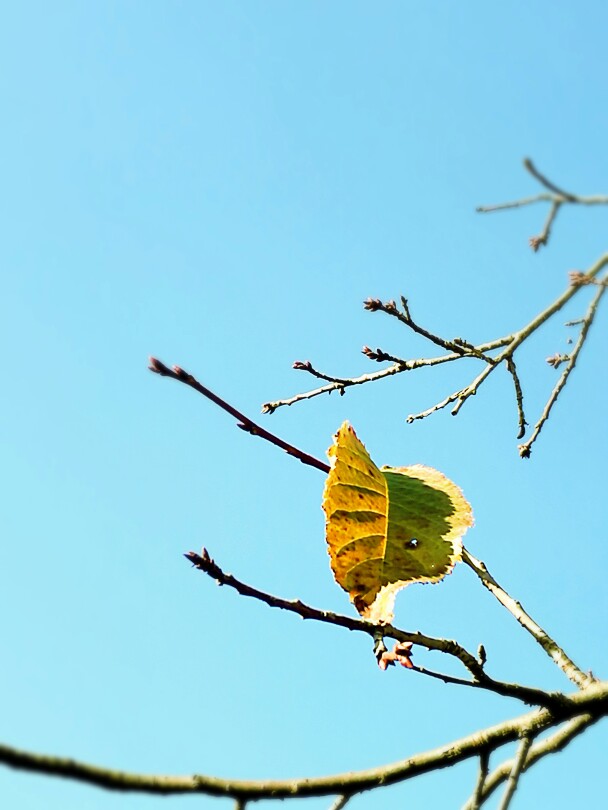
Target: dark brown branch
<point>177,373</point>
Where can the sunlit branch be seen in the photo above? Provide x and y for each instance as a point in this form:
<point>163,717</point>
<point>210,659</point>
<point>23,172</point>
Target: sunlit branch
<point>516,339</point>
<point>476,799</point>
<point>459,348</point>
<point>513,778</point>
<point>553,650</point>
<point>553,744</point>
<point>472,663</point>
<point>592,702</point>
<point>340,384</point>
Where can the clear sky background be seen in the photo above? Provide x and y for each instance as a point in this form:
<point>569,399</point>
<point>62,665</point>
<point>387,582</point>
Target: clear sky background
<point>221,185</point>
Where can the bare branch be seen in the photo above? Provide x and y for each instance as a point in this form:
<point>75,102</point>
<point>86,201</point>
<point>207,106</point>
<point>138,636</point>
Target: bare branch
<point>341,801</point>
<point>459,348</point>
<point>592,702</point>
<point>481,679</point>
<point>177,373</point>
<point>565,195</point>
<point>524,449</point>
<point>553,650</point>
<point>553,744</point>
<point>556,198</point>
<point>341,384</point>
<point>518,765</point>
<point>543,236</point>
<point>519,398</point>
<point>476,799</point>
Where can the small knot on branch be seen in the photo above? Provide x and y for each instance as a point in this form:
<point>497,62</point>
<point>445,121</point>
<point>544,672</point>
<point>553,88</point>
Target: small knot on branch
<point>302,365</point>
<point>557,359</point>
<point>269,407</point>
<point>376,354</point>
<point>157,367</point>
<point>181,375</point>
<point>579,279</point>
<point>373,304</point>
<point>536,241</point>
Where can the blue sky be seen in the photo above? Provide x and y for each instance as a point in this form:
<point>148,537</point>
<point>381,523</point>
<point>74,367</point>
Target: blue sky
<point>221,185</point>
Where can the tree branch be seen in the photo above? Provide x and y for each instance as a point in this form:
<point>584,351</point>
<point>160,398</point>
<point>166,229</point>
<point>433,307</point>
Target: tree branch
<point>518,764</point>
<point>553,650</point>
<point>481,679</point>
<point>177,373</point>
<point>553,744</point>
<point>556,198</point>
<point>504,347</point>
<point>592,702</point>
<point>476,799</point>
<point>524,449</point>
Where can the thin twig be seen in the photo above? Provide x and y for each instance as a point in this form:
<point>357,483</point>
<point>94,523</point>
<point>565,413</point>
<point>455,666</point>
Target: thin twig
<point>458,349</point>
<point>481,680</point>
<point>472,664</point>
<point>529,166</point>
<point>592,703</point>
<point>543,236</point>
<point>553,650</point>
<point>553,744</point>
<point>518,765</point>
<point>341,801</point>
<point>521,203</point>
<point>341,384</point>
<point>516,339</point>
<point>476,799</point>
<point>519,398</point>
<point>556,197</point>
<point>308,366</point>
<point>177,373</point>
<point>524,449</point>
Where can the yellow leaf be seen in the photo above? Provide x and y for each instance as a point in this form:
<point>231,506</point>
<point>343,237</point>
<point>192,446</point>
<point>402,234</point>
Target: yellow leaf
<point>389,527</point>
